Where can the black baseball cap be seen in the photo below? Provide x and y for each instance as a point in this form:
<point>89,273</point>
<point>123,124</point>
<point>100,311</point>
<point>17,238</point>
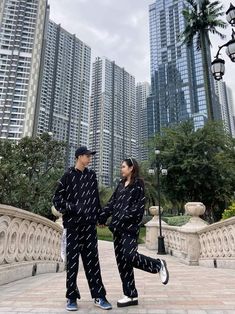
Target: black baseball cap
<point>83,150</point>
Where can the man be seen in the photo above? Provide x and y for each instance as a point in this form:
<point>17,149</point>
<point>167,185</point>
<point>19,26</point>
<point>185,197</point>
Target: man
<point>77,199</point>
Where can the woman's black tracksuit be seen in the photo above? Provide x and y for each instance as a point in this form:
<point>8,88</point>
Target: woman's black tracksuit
<point>126,207</point>
<point>77,199</point>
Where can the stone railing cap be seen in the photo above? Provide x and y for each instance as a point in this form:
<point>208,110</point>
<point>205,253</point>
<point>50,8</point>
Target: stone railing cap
<point>219,224</point>
<point>23,214</point>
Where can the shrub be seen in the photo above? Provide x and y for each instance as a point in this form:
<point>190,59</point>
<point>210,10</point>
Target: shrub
<point>230,212</point>
<point>106,235</point>
<point>177,220</point>
<point>170,220</point>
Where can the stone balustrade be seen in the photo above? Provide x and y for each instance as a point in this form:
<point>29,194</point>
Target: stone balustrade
<point>217,244</point>
<point>196,243</point>
<point>29,244</point>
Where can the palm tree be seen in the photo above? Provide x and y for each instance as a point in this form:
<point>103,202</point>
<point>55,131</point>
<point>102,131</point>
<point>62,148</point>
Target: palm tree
<point>202,18</point>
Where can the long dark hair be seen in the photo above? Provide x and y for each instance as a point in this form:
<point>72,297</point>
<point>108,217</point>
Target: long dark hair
<point>135,174</point>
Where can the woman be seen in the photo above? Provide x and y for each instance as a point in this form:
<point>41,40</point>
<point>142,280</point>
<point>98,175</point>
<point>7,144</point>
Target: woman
<point>126,207</point>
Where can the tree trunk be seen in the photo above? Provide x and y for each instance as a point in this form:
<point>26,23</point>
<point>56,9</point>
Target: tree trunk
<point>204,40</point>
<point>208,215</point>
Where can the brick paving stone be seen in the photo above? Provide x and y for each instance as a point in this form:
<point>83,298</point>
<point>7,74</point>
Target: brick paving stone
<point>197,312</point>
<point>191,290</point>
<point>157,311</point>
<point>219,312</point>
<point>176,312</point>
<point>216,312</point>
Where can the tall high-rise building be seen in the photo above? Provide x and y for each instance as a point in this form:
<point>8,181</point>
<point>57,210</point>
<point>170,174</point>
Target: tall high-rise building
<point>113,120</point>
<point>142,93</point>
<point>63,105</point>
<point>177,83</point>
<point>22,27</point>
<point>231,105</point>
<point>226,105</point>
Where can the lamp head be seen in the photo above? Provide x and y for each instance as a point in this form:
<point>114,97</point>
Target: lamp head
<point>231,49</point>
<point>218,68</point>
<point>151,171</point>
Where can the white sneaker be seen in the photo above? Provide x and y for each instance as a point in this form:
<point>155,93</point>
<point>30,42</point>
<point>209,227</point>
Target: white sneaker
<point>127,301</point>
<point>163,272</point>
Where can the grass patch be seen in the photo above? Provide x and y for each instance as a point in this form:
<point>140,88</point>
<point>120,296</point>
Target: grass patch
<point>106,235</point>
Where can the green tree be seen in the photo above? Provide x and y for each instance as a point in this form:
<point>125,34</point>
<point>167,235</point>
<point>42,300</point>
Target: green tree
<point>29,172</point>
<point>201,166</point>
<point>150,184</point>
<point>151,187</point>
<point>202,18</point>
<point>105,193</point>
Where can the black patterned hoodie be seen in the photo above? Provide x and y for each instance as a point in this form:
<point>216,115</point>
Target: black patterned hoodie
<point>126,206</point>
<point>77,198</point>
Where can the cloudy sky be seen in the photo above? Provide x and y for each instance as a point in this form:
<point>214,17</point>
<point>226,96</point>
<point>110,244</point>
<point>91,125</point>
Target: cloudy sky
<point>118,30</point>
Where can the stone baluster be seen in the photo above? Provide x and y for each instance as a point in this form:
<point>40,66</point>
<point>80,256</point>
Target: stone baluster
<point>152,228</point>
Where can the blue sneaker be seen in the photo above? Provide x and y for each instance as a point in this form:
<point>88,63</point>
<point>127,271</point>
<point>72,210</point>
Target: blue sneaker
<point>103,303</point>
<point>72,305</point>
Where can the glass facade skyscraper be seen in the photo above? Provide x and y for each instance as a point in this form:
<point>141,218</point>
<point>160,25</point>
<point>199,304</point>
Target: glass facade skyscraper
<point>113,119</point>
<point>63,106</point>
<point>22,27</point>
<point>142,93</point>
<point>177,83</point>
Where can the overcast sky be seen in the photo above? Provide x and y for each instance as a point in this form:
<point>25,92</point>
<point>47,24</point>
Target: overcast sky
<point>119,30</point>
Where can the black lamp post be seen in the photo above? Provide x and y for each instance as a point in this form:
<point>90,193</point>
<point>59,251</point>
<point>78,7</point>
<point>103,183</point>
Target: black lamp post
<point>160,170</point>
<point>218,65</point>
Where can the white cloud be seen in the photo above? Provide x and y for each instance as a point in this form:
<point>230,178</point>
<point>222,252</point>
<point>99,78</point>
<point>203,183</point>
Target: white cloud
<point>115,29</point>
<point>119,30</point>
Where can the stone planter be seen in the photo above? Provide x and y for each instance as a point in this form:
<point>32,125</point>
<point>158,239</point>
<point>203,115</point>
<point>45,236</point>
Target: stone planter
<point>195,209</point>
<point>154,211</point>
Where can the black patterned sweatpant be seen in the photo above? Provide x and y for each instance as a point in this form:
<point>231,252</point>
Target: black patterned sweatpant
<point>83,240</point>
<point>127,257</point>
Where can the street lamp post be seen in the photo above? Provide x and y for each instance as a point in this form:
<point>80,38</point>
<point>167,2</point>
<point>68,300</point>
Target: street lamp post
<point>161,245</point>
<point>218,65</point>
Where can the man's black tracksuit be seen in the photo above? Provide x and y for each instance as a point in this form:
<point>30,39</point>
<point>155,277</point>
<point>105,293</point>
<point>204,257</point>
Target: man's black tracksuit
<point>77,198</point>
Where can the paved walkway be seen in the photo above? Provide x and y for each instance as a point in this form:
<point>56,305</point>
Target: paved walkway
<point>191,290</point>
